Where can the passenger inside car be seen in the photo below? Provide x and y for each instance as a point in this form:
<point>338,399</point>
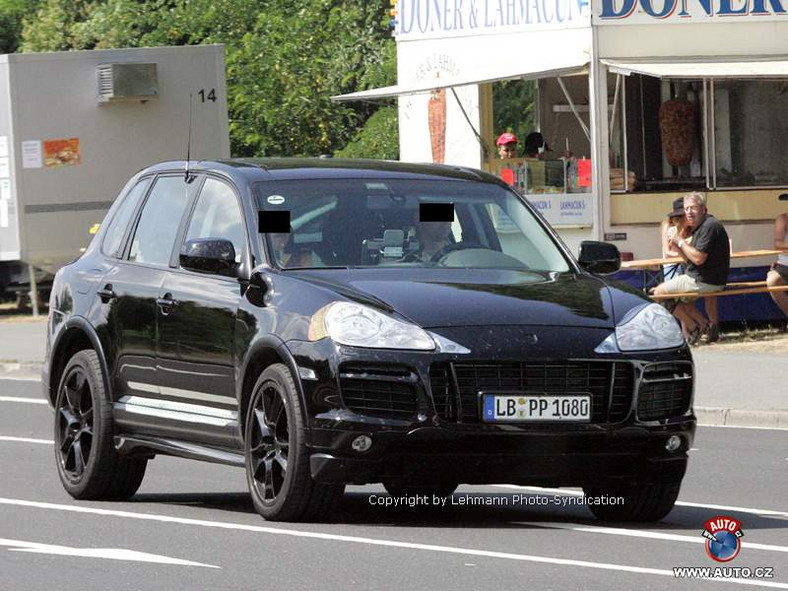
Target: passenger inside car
<point>290,255</point>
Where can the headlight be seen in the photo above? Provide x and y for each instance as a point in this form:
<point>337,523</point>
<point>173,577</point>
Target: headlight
<point>357,325</point>
<point>647,328</point>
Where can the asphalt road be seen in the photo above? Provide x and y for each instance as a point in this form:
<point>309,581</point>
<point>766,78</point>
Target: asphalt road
<point>192,526</point>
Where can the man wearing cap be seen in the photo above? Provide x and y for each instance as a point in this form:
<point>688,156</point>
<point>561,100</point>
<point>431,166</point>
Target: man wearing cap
<point>507,145</point>
<point>708,260</point>
<point>779,272</point>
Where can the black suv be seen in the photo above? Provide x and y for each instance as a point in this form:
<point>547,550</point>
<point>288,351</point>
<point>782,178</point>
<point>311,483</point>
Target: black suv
<point>328,322</point>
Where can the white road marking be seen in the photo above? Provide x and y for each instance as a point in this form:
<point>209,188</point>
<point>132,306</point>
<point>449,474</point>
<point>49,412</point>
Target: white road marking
<point>615,531</point>
<point>22,399</point>
<point>26,440</point>
<point>14,379</point>
<point>579,493</point>
<point>108,553</point>
<point>378,542</point>
<point>743,427</point>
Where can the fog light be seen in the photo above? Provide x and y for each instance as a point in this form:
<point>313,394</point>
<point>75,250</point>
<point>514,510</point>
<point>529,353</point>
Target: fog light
<point>361,443</point>
<point>673,443</point>
<point>421,417</point>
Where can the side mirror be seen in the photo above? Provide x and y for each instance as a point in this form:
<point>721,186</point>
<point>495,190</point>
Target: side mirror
<point>209,255</point>
<point>599,257</point>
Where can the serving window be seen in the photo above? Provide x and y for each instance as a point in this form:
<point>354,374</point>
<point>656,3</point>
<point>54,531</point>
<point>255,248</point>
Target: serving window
<point>696,134</point>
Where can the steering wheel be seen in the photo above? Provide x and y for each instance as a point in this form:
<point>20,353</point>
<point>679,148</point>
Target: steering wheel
<point>451,248</point>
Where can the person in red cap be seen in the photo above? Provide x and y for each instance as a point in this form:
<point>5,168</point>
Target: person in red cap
<point>507,145</point>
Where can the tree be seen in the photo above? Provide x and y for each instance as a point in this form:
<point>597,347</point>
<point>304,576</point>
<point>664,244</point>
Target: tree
<point>513,107</point>
<point>12,14</point>
<point>378,138</point>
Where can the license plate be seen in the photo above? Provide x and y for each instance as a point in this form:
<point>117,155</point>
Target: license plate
<point>498,408</point>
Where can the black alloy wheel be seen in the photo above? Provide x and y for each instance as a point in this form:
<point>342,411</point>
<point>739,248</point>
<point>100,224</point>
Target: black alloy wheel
<point>276,455</point>
<point>87,463</point>
<point>75,423</point>
<point>269,444</point>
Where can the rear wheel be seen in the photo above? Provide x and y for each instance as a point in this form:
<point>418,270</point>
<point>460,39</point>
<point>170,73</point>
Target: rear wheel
<point>87,463</point>
<point>644,502</point>
<point>276,456</point>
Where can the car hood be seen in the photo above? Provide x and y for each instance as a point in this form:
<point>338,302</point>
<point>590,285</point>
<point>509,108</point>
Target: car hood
<point>477,297</point>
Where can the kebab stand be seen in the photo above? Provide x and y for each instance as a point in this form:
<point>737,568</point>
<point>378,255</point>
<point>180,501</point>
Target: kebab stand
<point>654,98</point>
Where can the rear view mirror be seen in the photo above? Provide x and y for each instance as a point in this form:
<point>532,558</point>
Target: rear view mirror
<point>209,255</point>
<point>599,257</point>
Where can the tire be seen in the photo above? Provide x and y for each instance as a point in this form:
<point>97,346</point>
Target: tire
<point>645,502</point>
<point>402,488</point>
<point>87,463</point>
<point>276,455</point>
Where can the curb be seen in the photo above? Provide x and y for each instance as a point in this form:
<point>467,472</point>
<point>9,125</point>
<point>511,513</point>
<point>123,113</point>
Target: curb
<point>737,417</point>
<point>20,371</point>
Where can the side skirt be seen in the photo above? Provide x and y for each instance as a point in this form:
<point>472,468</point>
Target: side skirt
<point>150,446</point>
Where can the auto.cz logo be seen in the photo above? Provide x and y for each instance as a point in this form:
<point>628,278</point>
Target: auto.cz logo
<point>723,538</point>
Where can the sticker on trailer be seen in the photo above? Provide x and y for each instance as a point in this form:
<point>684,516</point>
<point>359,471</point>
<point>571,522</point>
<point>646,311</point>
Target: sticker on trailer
<point>31,154</point>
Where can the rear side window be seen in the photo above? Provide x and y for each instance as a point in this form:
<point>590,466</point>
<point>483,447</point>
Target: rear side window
<point>159,221</point>
<point>218,215</point>
<point>113,239</point>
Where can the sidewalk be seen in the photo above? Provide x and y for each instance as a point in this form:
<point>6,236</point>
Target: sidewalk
<point>734,387</point>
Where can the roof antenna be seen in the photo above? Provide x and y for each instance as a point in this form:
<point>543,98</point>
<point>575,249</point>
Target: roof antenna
<point>187,178</point>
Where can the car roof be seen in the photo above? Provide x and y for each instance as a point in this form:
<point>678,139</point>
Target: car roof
<point>257,169</point>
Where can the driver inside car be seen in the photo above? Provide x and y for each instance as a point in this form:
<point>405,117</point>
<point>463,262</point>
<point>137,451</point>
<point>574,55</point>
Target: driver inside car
<point>433,237</point>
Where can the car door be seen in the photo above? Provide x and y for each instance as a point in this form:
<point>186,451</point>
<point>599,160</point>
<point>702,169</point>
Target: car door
<point>196,353</point>
<point>131,288</point>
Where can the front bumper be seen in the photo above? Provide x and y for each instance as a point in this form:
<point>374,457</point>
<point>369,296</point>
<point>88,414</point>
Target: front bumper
<point>440,437</point>
<point>622,455</point>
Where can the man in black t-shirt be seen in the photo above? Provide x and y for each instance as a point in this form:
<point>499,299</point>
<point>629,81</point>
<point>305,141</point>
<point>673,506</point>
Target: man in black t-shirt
<point>708,258</point>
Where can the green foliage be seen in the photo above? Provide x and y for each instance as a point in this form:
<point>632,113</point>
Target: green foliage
<point>284,58</point>
<point>513,108</point>
<point>379,138</point>
<point>12,14</point>
<point>297,56</point>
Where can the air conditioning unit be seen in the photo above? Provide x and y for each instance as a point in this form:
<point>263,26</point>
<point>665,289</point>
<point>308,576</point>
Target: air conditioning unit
<point>127,82</point>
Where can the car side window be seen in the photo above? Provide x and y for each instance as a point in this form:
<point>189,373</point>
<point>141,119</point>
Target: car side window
<point>218,215</point>
<point>113,239</point>
<point>159,221</point>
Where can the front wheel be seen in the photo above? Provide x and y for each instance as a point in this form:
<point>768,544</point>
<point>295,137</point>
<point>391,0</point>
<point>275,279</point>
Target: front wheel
<point>276,455</point>
<point>641,502</point>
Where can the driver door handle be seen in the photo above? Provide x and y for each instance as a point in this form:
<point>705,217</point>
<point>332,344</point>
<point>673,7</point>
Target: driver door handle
<point>166,303</point>
<point>106,294</point>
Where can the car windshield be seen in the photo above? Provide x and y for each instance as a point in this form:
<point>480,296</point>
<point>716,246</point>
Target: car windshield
<point>403,223</point>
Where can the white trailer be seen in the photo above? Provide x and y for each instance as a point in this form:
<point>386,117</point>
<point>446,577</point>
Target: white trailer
<point>75,126</point>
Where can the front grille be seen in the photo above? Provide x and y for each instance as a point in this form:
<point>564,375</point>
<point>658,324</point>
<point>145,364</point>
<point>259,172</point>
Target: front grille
<point>461,403</point>
<point>665,391</point>
<point>387,392</point>
<point>621,392</point>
